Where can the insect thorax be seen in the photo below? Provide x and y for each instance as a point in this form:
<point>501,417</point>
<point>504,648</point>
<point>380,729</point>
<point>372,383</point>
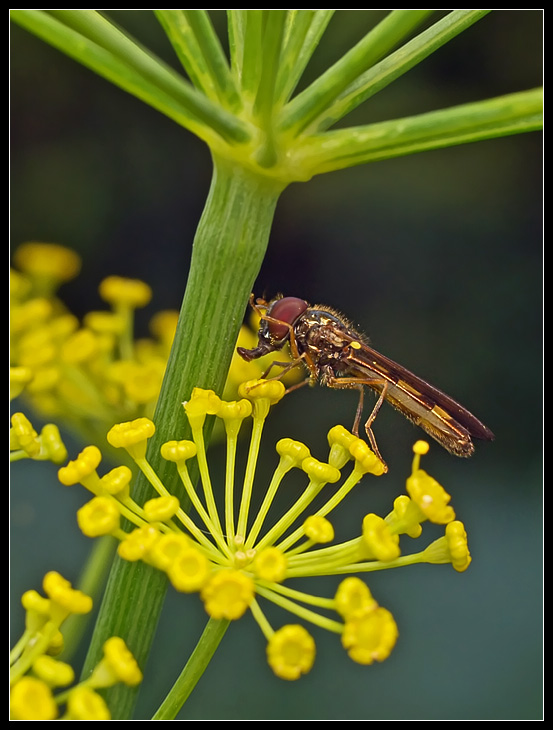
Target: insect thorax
<point>324,337</point>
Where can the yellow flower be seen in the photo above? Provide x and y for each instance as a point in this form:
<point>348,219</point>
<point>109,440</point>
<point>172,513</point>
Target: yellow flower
<point>118,290</point>
<point>353,596</point>
<point>47,261</point>
<point>132,436</point>
<point>117,665</point>
<point>84,703</point>
<point>99,516</point>
<point>456,537</point>
<point>378,540</point>
<point>430,497</point>
<point>227,594</point>
<point>165,550</point>
<point>189,569</point>
<point>451,548</point>
<point>291,652</point>
<point>370,635</point>
<point>53,672</point>
<point>161,508</point>
<point>270,564</point>
<point>32,699</point>
<point>318,529</point>
<point>138,543</point>
<point>67,599</point>
<point>116,481</point>
<point>82,469</point>
<point>23,436</point>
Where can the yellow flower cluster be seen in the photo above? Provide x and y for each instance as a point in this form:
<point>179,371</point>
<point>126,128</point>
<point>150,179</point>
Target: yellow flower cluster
<point>93,373</point>
<point>36,674</point>
<point>235,559</point>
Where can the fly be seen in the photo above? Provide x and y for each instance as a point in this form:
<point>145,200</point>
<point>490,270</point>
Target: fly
<point>338,356</point>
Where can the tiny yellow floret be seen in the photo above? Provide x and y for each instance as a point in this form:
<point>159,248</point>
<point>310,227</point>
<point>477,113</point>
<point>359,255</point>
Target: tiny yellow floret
<point>161,509</point>
<point>405,516</point>
<point>84,703</point>
<point>189,570</point>
<point>365,459</point>
<point>270,564</point>
<point>421,447</point>
<point>320,472</point>
<point>32,699</point>
<point>52,447</point>
<point>292,452</point>
<point>318,529</point>
<point>167,548</point>
<point>263,394</point>
<point>227,594</point>
<point>116,481</point>
<point>339,440</point>
<point>99,516</point>
<point>23,435</point>
<point>291,652</point>
<point>81,347</point>
<point>378,540</point>
<point>83,466</point>
<point>178,450</point>
<point>132,436</point>
<point>122,662</point>
<point>118,290</point>
<point>430,497</point>
<point>53,672</point>
<point>138,543</point>
<point>202,403</point>
<point>353,596</point>
<point>47,260</point>
<point>456,537</point>
<point>235,410</point>
<point>370,635</point>
<point>60,592</point>
<point>117,665</point>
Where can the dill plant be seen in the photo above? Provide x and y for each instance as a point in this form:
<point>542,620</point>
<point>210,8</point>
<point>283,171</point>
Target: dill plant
<point>262,137</point>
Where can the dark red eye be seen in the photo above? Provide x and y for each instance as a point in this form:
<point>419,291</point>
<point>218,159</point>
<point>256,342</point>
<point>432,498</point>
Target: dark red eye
<point>286,310</point>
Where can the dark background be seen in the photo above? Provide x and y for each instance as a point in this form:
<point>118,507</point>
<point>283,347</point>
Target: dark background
<point>437,256</point>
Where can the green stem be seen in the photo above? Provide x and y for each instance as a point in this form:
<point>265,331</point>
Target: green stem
<point>195,667</point>
<point>227,253</point>
<point>200,52</point>
<point>504,115</point>
<point>391,67</point>
<point>94,42</point>
<point>314,101</point>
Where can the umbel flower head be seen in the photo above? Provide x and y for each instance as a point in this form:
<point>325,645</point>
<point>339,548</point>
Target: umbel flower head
<point>235,559</point>
<point>35,672</point>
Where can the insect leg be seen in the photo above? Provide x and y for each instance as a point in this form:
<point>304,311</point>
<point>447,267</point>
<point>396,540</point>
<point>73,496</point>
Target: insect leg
<point>358,384</point>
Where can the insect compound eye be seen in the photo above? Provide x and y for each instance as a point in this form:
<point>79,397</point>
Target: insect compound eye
<point>286,310</point>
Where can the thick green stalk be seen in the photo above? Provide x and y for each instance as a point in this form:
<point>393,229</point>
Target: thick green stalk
<point>228,250</point>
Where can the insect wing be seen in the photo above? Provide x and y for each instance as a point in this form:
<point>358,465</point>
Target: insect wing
<point>413,396</point>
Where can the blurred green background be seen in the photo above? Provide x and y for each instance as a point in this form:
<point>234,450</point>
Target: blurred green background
<point>437,256</point>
